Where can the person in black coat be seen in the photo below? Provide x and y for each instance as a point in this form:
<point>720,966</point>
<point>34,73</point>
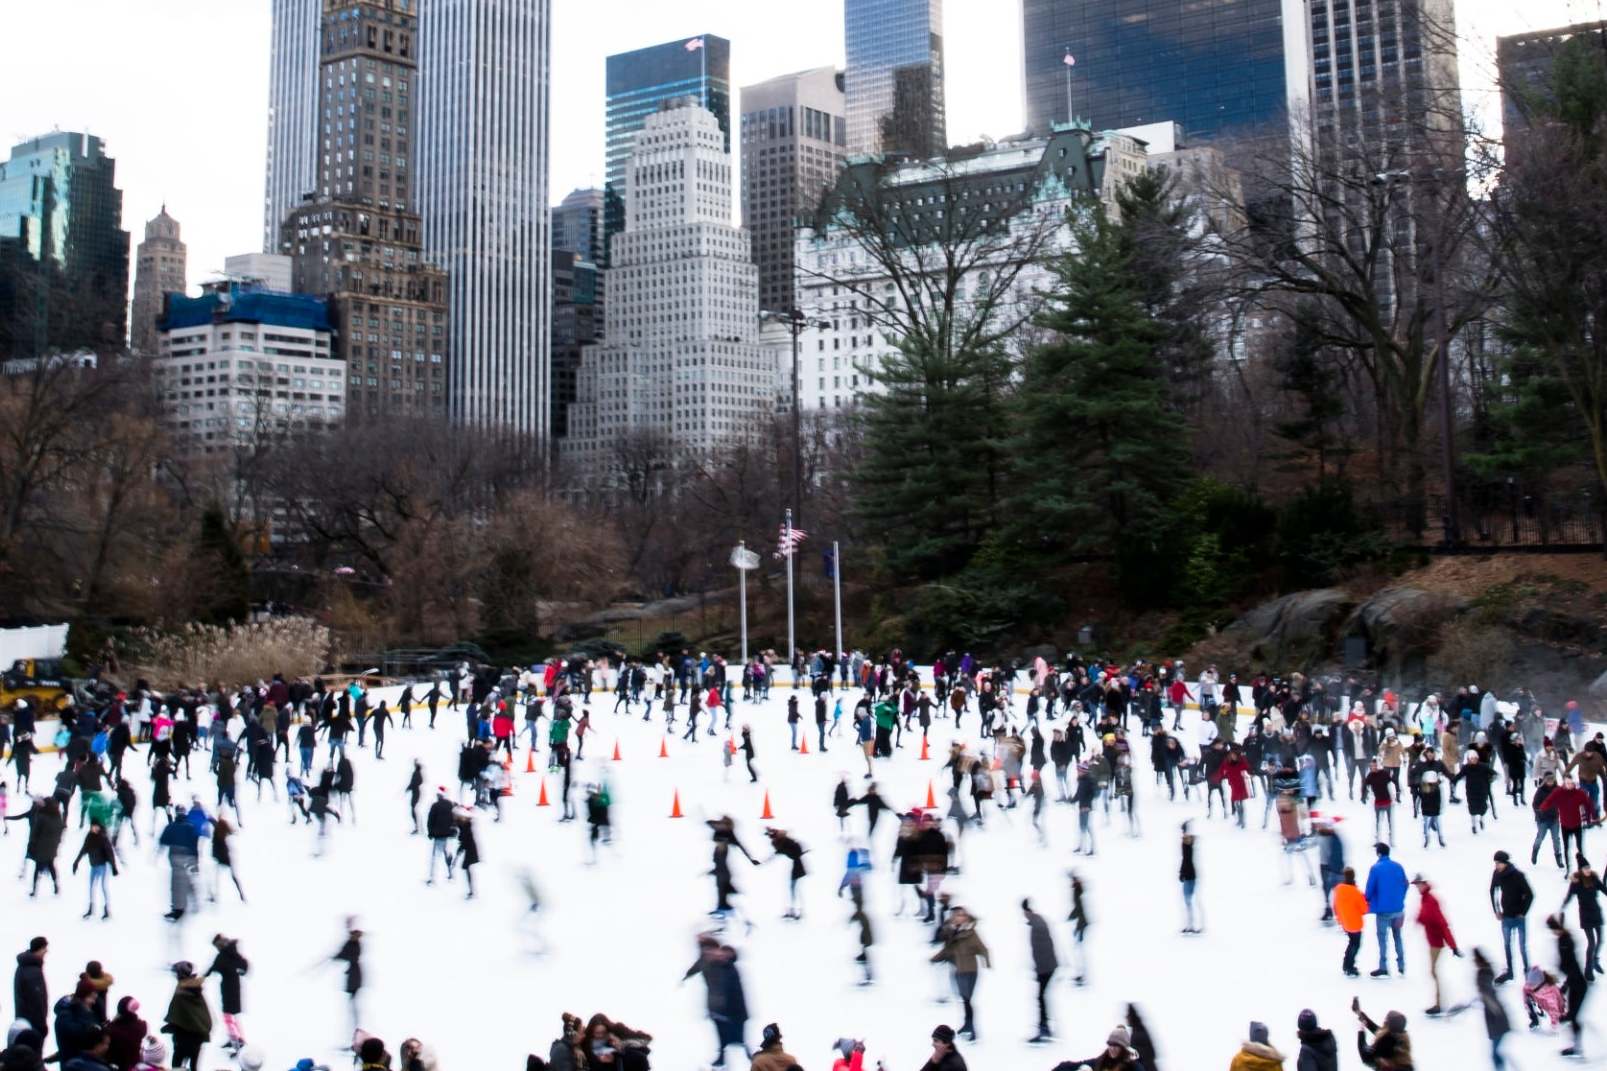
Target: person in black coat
<point>30,996</point>
<point>351,954</point>
<point>1576,986</point>
<point>945,1057</point>
<point>45,827</point>
<point>1318,1049</point>
<point>727,1003</point>
<point>229,965</point>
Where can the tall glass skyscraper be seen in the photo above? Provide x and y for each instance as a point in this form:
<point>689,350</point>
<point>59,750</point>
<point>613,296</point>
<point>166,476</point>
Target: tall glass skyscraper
<point>1215,66</point>
<point>894,78</point>
<point>639,83</point>
<point>62,240</point>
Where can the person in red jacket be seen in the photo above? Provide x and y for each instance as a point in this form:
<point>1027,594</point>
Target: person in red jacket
<point>1437,930</point>
<point>502,729</point>
<point>1236,772</point>
<point>1574,810</point>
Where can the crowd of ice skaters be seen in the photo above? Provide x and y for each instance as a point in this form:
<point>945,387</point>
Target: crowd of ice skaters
<point>1306,737</point>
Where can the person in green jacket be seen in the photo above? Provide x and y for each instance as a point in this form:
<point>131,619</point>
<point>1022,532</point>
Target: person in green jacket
<point>189,1019</point>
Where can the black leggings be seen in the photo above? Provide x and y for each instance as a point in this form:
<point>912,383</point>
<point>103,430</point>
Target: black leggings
<point>186,1051</point>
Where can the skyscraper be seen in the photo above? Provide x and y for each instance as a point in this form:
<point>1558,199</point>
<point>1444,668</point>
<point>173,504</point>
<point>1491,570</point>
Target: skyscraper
<point>1524,64</point>
<point>292,171</point>
<point>1382,74</point>
<point>894,78</point>
<point>159,268</point>
<point>639,83</point>
<point>482,190</point>
<point>577,322</point>
<point>359,241</point>
<point>682,365</point>
<point>577,224</point>
<point>794,137</point>
<point>1215,68</point>
<point>66,253</point>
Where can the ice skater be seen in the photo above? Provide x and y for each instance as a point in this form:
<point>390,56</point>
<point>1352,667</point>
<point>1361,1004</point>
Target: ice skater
<point>223,859</point>
<point>230,966</point>
<point>97,848</point>
<point>351,954</point>
<point>786,847</point>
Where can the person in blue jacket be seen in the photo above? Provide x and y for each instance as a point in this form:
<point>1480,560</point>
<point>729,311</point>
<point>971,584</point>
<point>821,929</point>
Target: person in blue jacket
<point>1386,900</point>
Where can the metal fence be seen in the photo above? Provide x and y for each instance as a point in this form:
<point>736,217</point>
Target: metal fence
<point>1496,521</point>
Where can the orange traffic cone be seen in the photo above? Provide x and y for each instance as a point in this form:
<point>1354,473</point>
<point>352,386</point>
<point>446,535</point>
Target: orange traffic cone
<point>803,744</point>
<point>507,776</point>
<point>926,750</point>
<point>663,747</point>
<point>675,808</point>
<point>530,761</point>
<point>766,815</point>
<point>542,800</point>
<point>616,750</point>
<point>931,798</point>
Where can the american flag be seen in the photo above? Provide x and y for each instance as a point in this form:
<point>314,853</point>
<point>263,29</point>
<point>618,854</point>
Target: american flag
<point>788,541</point>
<point>694,44</point>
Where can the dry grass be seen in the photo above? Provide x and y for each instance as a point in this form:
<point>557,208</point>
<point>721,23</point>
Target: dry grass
<point>197,654</point>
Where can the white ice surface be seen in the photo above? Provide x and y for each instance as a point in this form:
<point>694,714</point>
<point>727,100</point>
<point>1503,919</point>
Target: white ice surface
<point>460,975</point>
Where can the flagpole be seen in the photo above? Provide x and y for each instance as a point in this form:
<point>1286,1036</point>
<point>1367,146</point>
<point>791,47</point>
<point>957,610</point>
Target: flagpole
<point>742,587</point>
<point>792,644</point>
<point>837,591</point>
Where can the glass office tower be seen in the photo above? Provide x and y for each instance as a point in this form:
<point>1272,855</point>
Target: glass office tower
<point>1215,66</point>
<point>638,84</point>
<point>893,81</point>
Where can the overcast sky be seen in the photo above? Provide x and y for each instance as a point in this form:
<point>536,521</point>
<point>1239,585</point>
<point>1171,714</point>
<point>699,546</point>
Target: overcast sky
<point>179,88</point>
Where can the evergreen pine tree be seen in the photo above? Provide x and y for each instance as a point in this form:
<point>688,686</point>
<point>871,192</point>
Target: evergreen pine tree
<point>929,485</point>
<point>1097,459</point>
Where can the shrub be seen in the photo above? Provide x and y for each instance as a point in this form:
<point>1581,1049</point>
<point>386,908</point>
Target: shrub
<point>1322,533</point>
<point>197,653</point>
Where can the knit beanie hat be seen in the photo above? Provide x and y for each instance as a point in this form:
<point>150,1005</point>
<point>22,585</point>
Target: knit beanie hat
<point>845,1046</point>
<point>1258,1033</point>
<point>1119,1036</point>
<point>153,1051</point>
<point>1307,1020</point>
<point>251,1058</point>
<point>371,1051</point>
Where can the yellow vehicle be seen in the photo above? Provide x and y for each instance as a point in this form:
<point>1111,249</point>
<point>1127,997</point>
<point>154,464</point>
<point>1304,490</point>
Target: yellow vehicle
<point>41,681</point>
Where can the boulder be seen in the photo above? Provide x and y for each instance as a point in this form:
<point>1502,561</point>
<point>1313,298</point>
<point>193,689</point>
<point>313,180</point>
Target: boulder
<point>1400,624</point>
<point>1296,630</point>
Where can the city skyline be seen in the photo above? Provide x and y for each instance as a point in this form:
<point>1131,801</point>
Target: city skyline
<point>226,67</point>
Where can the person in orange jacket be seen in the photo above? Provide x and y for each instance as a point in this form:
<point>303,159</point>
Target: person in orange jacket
<point>1350,911</point>
<point>1437,930</point>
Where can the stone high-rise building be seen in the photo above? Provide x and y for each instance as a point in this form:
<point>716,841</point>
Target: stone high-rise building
<point>1381,75</point>
<point>794,138</point>
<point>682,366</point>
<point>894,78</point>
<point>159,268</point>
<point>639,83</point>
<point>482,190</point>
<point>293,126</point>
<point>359,242</point>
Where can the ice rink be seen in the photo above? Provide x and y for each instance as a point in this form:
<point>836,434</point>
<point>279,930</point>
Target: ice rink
<point>467,978</point>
